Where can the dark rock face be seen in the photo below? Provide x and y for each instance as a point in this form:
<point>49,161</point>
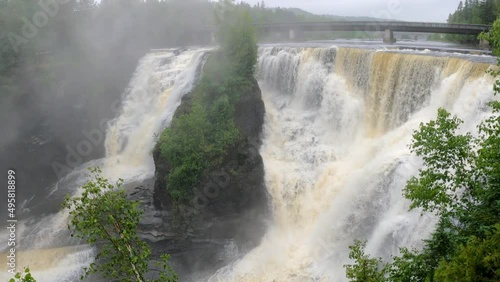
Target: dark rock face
<point>227,215</point>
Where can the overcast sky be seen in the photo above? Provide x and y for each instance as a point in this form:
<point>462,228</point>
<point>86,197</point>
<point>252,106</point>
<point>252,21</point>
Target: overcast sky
<point>407,10</point>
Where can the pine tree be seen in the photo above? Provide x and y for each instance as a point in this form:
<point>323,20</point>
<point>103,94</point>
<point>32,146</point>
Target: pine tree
<point>487,11</point>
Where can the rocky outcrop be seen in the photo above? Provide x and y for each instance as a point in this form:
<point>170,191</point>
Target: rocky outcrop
<point>227,214</point>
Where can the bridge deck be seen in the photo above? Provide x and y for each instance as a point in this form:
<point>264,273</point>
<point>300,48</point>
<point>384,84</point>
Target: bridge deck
<point>377,26</point>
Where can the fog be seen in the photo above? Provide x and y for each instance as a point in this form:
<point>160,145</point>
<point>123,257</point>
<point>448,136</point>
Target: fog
<point>63,67</point>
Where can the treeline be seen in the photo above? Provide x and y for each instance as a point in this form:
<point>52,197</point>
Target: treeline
<point>263,14</point>
<point>81,53</point>
<point>86,33</point>
<point>82,30</point>
<point>473,12</point>
<point>476,12</point>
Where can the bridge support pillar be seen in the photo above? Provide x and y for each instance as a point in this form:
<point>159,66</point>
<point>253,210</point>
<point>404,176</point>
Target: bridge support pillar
<point>292,34</point>
<point>213,38</point>
<point>295,34</point>
<point>483,43</point>
<point>389,37</point>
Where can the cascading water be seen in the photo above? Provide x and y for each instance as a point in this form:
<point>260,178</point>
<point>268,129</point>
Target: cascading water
<point>160,81</point>
<point>335,148</point>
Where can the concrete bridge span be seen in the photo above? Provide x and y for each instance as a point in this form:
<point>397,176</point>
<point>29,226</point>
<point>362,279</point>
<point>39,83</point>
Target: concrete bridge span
<point>388,27</point>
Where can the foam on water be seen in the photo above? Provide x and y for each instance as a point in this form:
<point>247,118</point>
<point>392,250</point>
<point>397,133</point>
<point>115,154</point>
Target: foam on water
<point>148,105</point>
<point>335,148</point>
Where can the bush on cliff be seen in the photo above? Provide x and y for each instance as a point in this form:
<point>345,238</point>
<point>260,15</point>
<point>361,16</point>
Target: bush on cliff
<point>200,139</point>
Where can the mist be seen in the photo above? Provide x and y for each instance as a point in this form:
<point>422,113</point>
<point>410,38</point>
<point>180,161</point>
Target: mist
<point>69,63</point>
<point>256,142</point>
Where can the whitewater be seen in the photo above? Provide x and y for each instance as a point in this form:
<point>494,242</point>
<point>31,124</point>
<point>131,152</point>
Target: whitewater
<point>335,148</point>
<point>336,155</point>
<point>161,79</point>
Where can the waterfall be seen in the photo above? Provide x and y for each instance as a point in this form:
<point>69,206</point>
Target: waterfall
<point>154,95</point>
<point>147,106</point>
<point>335,148</point>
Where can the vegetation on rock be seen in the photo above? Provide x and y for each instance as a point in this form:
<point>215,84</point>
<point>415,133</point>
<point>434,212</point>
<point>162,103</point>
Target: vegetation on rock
<point>199,140</point>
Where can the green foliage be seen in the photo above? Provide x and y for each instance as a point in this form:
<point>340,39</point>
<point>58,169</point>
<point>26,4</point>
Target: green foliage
<point>459,182</point>
<point>447,157</point>
<point>81,67</point>
<point>103,216</point>
<point>237,39</point>
<point>473,12</point>
<point>493,37</point>
<point>436,37</point>
<point>23,277</point>
<point>477,260</point>
<point>411,266</point>
<point>262,14</point>
<point>365,269</point>
<point>198,140</point>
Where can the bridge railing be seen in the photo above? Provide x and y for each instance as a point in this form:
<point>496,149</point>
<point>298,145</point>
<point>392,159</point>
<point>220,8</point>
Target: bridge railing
<point>371,26</point>
<point>376,23</point>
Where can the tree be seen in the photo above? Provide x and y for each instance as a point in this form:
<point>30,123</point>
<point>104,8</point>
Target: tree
<point>236,36</point>
<point>477,260</point>
<point>487,11</point>
<point>493,38</point>
<point>365,269</point>
<point>460,183</point>
<point>198,140</point>
<point>103,217</point>
<point>473,12</point>
<point>467,11</point>
<point>23,277</point>
<point>447,157</point>
<point>476,13</point>
<point>410,266</point>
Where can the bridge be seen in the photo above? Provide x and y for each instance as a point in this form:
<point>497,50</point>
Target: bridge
<point>389,27</point>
